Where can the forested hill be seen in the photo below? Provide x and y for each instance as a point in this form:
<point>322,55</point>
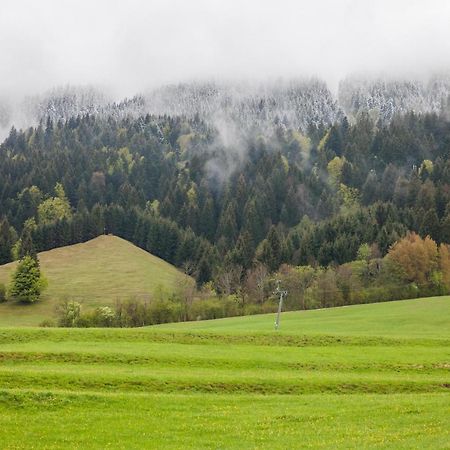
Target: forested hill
<point>179,189</point>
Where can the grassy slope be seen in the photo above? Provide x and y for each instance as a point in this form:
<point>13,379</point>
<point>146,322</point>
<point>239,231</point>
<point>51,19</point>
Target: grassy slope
<point>425,317</point>
<point>96,272</point>
<point>234,383</point>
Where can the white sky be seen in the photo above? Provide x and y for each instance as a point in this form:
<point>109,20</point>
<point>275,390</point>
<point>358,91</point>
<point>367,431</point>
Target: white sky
<point>130,45</point>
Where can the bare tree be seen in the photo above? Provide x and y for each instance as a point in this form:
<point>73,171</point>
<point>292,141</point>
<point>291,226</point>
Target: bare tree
<point>255,282</point>
<point>229,280</point>
<point>187,292</point>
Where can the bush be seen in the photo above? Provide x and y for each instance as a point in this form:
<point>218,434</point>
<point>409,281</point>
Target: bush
<point>136,313</point>
<point>163,311</point>
<point>131,313</point>
<point>48,323</point>
<point>69,313</point>
<point>87,320</point>
<point>207,309</point>
<point>269,306</point>
<point>231,306</point>
<point>105,317</point>
<point>252,309</point>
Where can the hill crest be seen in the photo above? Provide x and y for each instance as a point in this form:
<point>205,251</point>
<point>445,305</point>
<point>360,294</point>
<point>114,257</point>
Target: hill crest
<point>96,273</point>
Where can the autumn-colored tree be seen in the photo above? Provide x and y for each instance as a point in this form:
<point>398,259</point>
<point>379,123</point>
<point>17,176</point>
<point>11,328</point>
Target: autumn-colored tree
<point>416,257</point>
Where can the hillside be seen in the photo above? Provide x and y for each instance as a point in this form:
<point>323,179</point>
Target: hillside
<point>216,199</point>
<point>95,273</point>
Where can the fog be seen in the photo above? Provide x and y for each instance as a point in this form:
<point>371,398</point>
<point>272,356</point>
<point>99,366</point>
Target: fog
<point>135,45</point>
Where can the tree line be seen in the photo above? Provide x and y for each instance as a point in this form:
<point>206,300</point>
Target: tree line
<point>309,199</point>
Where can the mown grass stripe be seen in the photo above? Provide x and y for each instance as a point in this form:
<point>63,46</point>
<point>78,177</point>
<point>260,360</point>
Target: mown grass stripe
<point>119,358</point>
<point>8,336</point>
<point>148,384</point>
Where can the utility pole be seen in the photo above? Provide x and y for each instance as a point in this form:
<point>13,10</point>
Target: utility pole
<point>281,294</point>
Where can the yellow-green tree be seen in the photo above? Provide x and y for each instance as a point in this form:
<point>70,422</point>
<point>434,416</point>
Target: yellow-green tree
<point>55,208</point>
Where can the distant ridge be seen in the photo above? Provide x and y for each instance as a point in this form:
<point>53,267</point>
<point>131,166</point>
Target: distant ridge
<point>295,103</point>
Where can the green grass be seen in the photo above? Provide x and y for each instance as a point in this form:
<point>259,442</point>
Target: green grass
<point>178,421</point>
<point>425,317</point>
<point>341,378</point>
<point>96,273</point>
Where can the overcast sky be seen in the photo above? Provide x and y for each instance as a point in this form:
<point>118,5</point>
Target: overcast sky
<point>135,44</point>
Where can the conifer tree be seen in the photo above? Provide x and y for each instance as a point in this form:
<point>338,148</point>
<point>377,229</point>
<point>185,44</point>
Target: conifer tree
<point>270,251</point>
<point>27,282</point>
<point>6,242</point>
<point>27,247</point>
<point>430,225</point>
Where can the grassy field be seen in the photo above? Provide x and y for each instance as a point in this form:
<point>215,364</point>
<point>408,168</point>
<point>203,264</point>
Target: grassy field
<point>340,378</point>
<point>95,273</point>
<point>425,316</point>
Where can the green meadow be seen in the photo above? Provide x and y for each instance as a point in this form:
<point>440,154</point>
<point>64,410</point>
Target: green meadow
<point>367,376</point>
<point>425,317</point>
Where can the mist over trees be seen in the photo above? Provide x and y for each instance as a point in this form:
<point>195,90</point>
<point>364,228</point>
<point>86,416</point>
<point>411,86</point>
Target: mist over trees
<point>293,102</point>
<point>227,204</point>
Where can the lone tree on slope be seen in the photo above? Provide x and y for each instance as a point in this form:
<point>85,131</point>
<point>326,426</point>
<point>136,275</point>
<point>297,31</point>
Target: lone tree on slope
<point>27,281</point>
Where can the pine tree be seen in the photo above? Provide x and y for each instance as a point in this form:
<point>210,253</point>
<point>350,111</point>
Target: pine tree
<point>242,254</point>
<point>207,219</point>
<point>227,224</point>
<point>27,247</point>
<point>430,225</point>
<point>270,251</point>
<point>27,281</point>
<point>254,221</point>
<point>204,271</point>
<point>6,242</point>
<point>333,144</point>
<point>445,229</point>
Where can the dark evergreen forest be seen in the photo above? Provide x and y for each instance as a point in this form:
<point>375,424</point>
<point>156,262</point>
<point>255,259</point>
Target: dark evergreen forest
<point>170,186</point>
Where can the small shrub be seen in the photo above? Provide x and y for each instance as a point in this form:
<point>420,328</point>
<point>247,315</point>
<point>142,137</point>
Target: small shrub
<point>69,313</point>
<point>48,323</point>
<point>87,320</point>
<point>252,309</point>
<point>231,306</point>
<point>164,311</point>
<point>268,307</point>
<point>131,313</point>
<point>105,316</point>
<point>207,309</point>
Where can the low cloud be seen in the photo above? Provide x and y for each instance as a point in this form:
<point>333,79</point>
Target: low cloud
<point>135,45</point>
